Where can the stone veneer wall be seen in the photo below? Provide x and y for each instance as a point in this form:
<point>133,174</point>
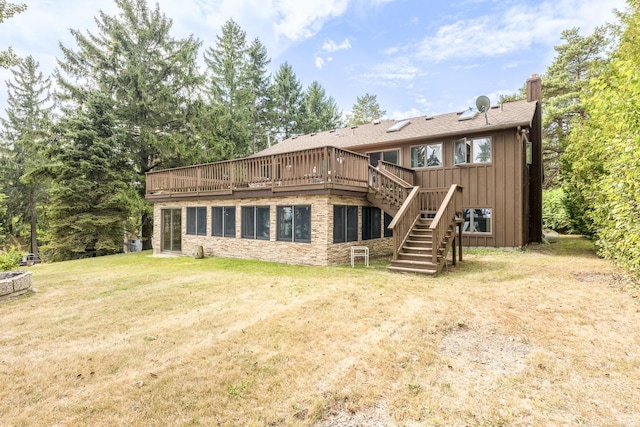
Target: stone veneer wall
<point>14,282</point>
<point>321,250</point>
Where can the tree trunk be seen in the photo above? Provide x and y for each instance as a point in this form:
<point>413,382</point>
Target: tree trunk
<point>147,231</point>
<point>34,225</point>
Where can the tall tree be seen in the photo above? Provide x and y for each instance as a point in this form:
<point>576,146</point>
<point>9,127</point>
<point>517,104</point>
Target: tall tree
<point>7,57</point>
<point>578,59</point>
<point>152,78</point>
<point>365,110</point>
<point>91,191</point>
<point>321,112</point>
<point>603,157</point>
<point>228,90</point>
<point>259,96</point>
<point>287,99</point>
<point>24,140</point>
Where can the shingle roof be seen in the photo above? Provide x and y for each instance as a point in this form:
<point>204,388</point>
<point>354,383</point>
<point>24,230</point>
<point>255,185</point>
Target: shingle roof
<point>511,114</point>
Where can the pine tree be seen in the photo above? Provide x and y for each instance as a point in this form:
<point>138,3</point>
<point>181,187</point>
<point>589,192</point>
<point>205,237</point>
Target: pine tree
<point>24,142</point>
<point>365,110</point>
<point>578,59</point>
<point>152,78</point>
<point>7,57</point>
<point>91,192</point>
<point>259,102</point>
<point>287,99</point>
<point>228,90</point>
<point>321,112</point>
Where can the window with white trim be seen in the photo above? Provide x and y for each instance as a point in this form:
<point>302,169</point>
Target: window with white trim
<point>476,220</point>
<point>429,155</point>
<point>476,150</point>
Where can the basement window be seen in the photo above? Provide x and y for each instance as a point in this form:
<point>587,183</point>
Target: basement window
<point>223,221</point>
<point>476,220</point>
<point>345,224</point>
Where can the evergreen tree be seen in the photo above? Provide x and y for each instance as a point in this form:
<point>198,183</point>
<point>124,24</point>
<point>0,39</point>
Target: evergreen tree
<point>152,78</point>
<point>320,111</point>
<point>229,91</point>
<point>24,142</point>
<point>260,105</point>
<point>7,57</point>
<point>91,190</point>
<point>365,110</point>
<point>578,59</point>
<point>287,99</point>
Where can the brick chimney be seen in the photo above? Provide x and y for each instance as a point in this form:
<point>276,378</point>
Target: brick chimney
<point>534,88</point>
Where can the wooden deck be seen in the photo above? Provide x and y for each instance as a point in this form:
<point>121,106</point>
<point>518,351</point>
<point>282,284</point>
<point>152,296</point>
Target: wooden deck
<point>326,168</point>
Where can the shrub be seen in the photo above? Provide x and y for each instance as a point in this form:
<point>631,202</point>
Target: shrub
<point>10,259</point>
<point>554,210</point>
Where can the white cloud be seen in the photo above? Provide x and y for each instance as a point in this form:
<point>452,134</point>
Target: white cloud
<point>518,27</point>
<point>319,62</point>
<point>331,46</point>
<point>391,51</point>
<point>394,73</point>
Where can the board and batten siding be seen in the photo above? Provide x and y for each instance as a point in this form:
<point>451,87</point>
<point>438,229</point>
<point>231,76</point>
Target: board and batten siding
<point>499,185</point>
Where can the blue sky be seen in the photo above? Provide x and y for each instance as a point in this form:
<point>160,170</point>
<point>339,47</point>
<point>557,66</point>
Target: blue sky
<point>419,57</point>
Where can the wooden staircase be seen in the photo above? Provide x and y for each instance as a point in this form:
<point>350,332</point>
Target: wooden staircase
<point>420,245</point>
<point>416,254</point>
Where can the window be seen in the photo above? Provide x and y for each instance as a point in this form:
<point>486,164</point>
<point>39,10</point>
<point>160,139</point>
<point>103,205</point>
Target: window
<point>223,221</point>
<point>391,156</point>
<point>294,223</point>
<point>255,222</point>
<point>387,220</point>
<point>370,223</point>
<point>429,155</point>
<point>345,224</point>
<point>481,149</point>
<point>472,151</point>
<point>197,221</point>
<point>476,220</point>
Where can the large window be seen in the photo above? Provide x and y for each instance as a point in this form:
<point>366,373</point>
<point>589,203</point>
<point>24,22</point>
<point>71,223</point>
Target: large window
<point>371,223</point>
<point>197,221</point>
<point>345,224</point>
<point>476,220</point>
<point>472,151</point>
<point>223,221</point>
<point>390,156</point>
<point>294,223</point>
<point>429,155</point>
<point>255,222</point>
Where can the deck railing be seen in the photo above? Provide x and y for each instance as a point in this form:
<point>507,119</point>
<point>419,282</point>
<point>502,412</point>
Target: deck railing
<point>405,174</point>
<point>325,167</point>
<point>388,186</point>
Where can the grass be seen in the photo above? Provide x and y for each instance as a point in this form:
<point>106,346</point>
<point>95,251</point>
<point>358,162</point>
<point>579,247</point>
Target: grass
<point>543,336</point>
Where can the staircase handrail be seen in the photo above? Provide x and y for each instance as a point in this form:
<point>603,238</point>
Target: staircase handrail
<point>405,219</point>
<point>451,205</point>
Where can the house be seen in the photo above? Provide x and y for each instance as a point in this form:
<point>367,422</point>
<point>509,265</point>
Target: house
<point>409,189</point>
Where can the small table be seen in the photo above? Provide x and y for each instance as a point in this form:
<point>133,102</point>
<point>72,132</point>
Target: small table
<point>360,251</point>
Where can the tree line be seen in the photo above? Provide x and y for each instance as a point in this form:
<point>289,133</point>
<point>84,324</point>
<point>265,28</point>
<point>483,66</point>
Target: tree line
<point>130,99</point>
<point>591,137</point>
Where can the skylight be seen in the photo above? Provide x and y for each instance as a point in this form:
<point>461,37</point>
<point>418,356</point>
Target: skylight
<point>398,126</point>
<point>468,114</point>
